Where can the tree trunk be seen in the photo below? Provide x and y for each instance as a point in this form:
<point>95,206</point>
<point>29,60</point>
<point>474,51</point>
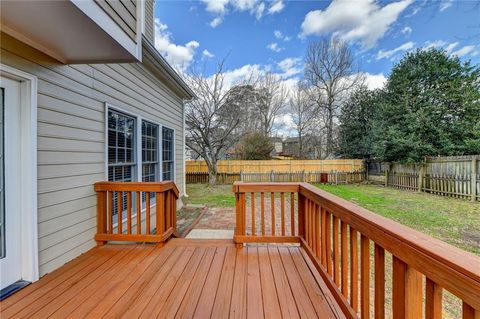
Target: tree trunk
<point>212,173</point>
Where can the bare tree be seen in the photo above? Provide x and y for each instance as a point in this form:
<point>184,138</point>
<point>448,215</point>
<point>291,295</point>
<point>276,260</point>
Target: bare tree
<point>270,102</point>
<point>331,74</point>
<point>211,120</point>
<point>303,111</point>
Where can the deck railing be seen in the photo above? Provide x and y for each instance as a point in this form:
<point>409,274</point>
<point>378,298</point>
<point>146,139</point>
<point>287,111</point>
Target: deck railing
<point>348,246</point>
<point>147,211</point>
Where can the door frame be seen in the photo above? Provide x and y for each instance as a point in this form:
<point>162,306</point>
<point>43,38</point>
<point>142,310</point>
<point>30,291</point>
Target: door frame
<point>28,164</point>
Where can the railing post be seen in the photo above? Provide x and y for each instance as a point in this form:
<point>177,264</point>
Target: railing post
<point>240,212</point>
<point>101,215</point>
<point>160,213</point>
<point>473,179</point>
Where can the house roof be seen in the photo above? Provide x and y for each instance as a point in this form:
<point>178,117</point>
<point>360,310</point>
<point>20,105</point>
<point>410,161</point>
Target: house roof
<point>165,71</point>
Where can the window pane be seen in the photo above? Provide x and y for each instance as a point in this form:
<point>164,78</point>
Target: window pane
<point>167,154</point>
<point>121,159</point>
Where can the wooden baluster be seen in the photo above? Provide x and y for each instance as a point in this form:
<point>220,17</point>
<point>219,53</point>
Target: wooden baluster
<point>119,212</point>
<point>329,243</point>
<point>168,209</point>
<point>306,224</point>
<point>272,205</point>
<point>365,276</point>
<point>309,224</point>
<point>407,291</point>
<point>252,202</point>
<point>344,243</point>
<point>433,300</point>
<point>324,236</point>
<point>262,211</point>
<point>160,213</point>
<point>379,282</point>
<point>101,214</point>
<point>318,251</point>
<point>174,211</point>
<point>282,202</point>
<point>353,269</point>
<point>129,213</point>
<point>336,252</point>
<point>147,215</point>
<point>292,214</point>
<point>468,312</point>
<point>110,212</point>
<point>139,212</point>
<point>301,215</point>
<point>313,235</point>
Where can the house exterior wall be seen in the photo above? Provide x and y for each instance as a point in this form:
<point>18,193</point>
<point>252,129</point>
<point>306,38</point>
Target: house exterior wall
<point>71,139</point>
<point>150,20</point>
<point>124,13</point>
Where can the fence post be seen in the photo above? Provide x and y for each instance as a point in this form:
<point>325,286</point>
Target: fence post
<point>473,179</point>
<point>241,176</point>
<point>387,171</point>
<point>421,172</point>
<point>271,176</point>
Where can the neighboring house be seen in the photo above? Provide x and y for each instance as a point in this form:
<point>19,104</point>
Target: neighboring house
<point>277,146</point>
<point>85,97</point>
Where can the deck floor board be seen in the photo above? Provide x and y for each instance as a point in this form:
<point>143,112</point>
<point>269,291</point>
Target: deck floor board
<point>183,279</point>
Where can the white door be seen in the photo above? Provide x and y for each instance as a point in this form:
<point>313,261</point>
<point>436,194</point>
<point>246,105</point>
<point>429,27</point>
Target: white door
<point>10,191</point>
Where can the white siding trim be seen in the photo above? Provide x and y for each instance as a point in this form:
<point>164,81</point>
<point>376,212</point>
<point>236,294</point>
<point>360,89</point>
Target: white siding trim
<point>28,178</point>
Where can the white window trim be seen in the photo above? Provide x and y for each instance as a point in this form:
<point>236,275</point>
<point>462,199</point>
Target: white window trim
<point>138,141</point>
<point>28,163</point>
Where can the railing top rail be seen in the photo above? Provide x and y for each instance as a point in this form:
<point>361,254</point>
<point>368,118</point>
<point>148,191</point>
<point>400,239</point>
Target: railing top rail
<point>158,187</point>
<point>245,187</point>
<point>457,270</point>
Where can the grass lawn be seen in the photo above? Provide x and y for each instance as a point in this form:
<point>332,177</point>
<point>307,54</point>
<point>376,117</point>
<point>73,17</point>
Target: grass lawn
<point>218,196</point>
<point>452,220</point>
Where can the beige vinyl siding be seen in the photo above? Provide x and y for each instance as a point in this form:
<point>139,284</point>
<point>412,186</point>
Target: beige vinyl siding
<point>123,12</point>
<point>150,20</point>
<point>71,140</point>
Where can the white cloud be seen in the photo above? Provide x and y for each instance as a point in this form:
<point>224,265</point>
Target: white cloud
<point>375,81</point>
<point>216,22</point>
<point>207,54</point>
<point>216,6</point>
<point>276,7</point>
<point>221,8</point>
<point>450,47</point>
<point>290,67</point>
<point>435,44</point>
<point>445,4</point>
<point>407,30</point>
<point>279,35</point>
<point>180,56</point>
<point>259,11</point>
<point>389,53</point>
<point>464,51</point>
<point>363,21</point>
<point>274,47</point>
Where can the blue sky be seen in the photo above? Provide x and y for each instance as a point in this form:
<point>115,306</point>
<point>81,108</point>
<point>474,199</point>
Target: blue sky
<point>260,35</point>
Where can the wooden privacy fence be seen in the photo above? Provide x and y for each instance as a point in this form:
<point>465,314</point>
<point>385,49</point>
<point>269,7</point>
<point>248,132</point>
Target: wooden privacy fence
<point>281,166</point>
<point>147,210</point>
<point>455,176</point>
<point>340,237</point>
<point>309,177</point>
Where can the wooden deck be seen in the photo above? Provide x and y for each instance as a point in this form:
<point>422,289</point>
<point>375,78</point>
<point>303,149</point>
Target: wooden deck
<point>182,279</point>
